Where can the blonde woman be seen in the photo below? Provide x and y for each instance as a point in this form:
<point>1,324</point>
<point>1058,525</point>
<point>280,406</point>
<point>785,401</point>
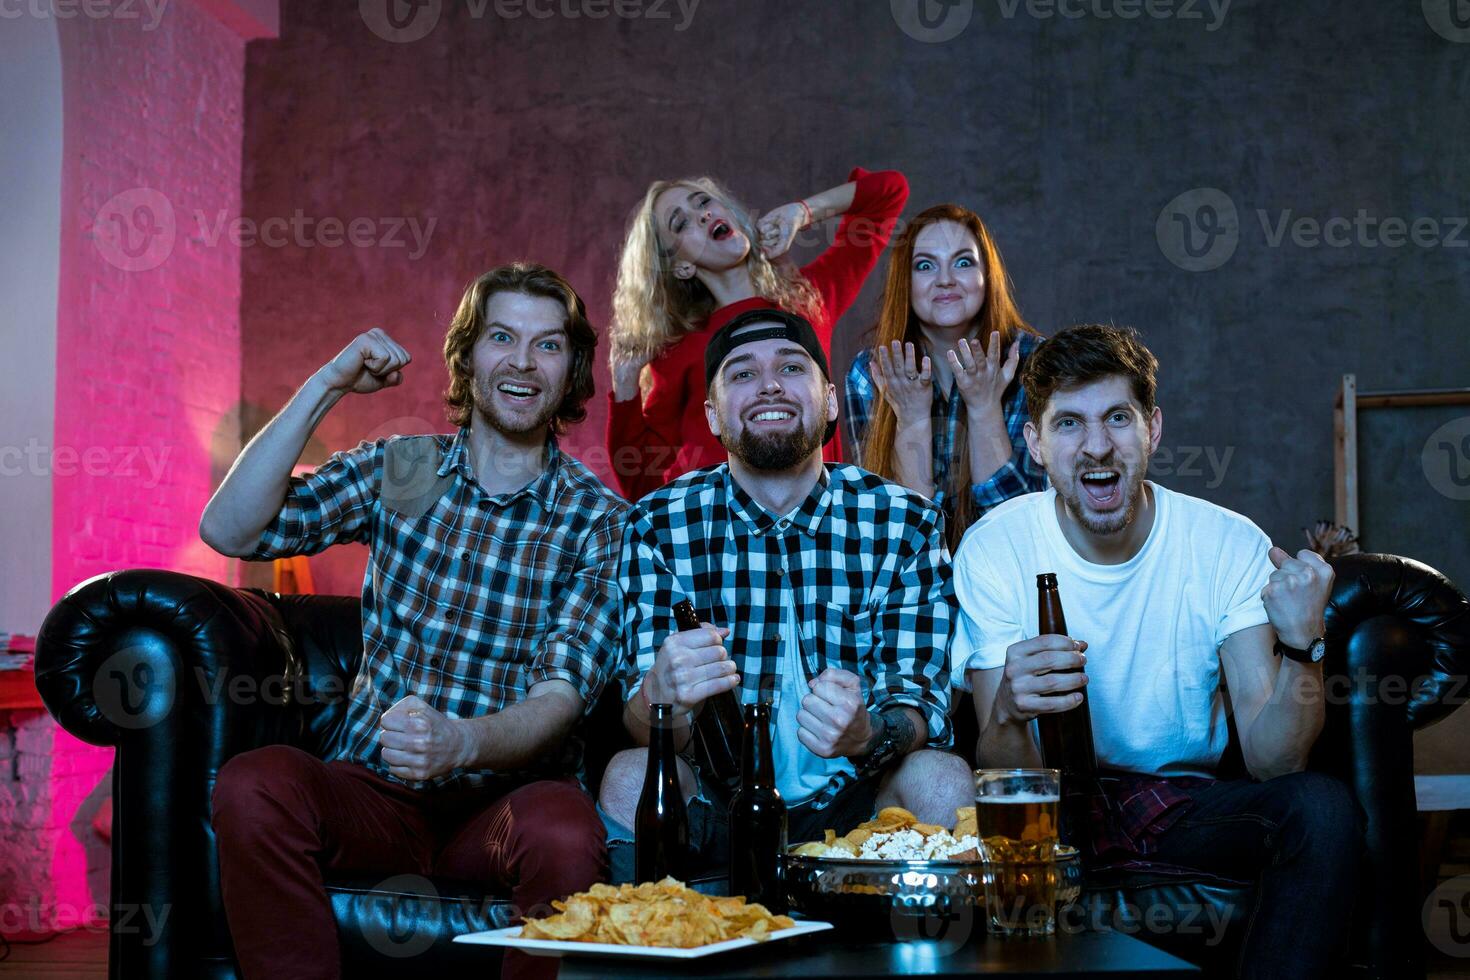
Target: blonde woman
<point>694,259</point>
<point>937,403</point>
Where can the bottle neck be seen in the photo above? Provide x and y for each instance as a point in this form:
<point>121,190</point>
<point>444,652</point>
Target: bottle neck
<point>757,770</point>
<point>661,750</point>
<point>1049,617</point>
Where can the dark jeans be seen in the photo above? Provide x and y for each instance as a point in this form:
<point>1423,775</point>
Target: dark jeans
<point>282,816</point>
<point>1302,836</point>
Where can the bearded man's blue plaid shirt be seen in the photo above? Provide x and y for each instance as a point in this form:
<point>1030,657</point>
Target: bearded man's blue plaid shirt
<point>865,558</point>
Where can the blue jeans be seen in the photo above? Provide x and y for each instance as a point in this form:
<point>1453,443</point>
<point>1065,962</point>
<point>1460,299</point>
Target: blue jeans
<point>1302,835</point>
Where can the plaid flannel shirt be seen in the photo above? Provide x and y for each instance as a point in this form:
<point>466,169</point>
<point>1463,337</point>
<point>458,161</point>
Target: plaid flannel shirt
<point>471,604</point>
<point>866,560</point>
<point>1018,475</point>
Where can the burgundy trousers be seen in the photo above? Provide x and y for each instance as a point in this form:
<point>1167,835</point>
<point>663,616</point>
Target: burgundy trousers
<point>282,817</point>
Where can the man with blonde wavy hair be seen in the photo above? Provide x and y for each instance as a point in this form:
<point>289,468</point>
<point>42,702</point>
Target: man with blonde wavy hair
<point>489,627</point>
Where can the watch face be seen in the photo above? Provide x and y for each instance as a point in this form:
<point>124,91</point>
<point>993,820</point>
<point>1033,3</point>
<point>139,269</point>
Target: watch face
<point>1318,649</point>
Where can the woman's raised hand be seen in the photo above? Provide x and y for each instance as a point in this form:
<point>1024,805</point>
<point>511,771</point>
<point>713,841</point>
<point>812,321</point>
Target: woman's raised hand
<point>904,379</point>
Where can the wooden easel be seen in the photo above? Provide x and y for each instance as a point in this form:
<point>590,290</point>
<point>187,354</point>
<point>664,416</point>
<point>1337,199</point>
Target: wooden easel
<point>1345,429</point>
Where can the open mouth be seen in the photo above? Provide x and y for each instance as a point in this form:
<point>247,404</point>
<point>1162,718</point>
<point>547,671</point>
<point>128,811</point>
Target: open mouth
<point>517,392</point>
<point>721,230</point>
<point>1104,488</point>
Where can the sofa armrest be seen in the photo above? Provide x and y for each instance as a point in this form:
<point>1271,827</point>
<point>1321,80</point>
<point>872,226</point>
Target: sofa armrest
<point>1398,643</point>
<point>180,674</point>
<point>123,652</point>
<point>1424,642</point>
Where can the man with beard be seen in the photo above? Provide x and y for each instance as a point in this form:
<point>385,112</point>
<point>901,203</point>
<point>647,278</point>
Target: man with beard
<point>830,585</point>
<point>489,627</point>
<point>1171,601</point>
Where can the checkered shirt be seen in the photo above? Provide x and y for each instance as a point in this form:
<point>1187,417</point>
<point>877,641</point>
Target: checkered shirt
<point>473,603</point>
<point>1018,475</point>
<point>866,562</point>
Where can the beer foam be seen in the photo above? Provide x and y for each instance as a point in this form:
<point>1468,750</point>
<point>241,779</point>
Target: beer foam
<point>1021,798</point>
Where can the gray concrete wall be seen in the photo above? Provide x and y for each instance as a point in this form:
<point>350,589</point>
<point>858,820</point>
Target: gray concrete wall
<point>1087,142</point>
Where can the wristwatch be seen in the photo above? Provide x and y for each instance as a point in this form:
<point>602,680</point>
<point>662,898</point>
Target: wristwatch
<point>1313,654</point>
<point>884,750</point>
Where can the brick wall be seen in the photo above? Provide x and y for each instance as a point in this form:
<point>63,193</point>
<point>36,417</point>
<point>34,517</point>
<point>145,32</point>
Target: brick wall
<point>148,364</point>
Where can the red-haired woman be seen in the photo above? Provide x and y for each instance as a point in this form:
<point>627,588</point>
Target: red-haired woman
<point>693,259</point>
<point>936,403</point>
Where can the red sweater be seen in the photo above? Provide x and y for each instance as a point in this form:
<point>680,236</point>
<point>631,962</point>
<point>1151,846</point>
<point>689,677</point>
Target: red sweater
<point>666,435</point>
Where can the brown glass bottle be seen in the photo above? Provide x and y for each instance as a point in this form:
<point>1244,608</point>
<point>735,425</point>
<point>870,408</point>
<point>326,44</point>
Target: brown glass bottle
<point>758,819</point>
<point>661,828</point>
<point>1066,737</point>
<point>717,723</point>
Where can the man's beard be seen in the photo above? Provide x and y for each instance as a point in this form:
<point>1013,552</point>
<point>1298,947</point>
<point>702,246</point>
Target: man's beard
<point>775,451</point>
<point>1113,521</point>
<point>483,393</point>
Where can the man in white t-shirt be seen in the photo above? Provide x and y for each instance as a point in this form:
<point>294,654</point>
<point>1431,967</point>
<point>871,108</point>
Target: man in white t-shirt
<point>1170,602</point>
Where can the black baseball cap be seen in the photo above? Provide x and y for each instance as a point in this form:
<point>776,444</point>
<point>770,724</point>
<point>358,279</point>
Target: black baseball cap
<point>778,325</point>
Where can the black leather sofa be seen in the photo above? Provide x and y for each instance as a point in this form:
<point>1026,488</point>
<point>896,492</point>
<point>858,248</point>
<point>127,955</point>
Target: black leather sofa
<point>180,673</point>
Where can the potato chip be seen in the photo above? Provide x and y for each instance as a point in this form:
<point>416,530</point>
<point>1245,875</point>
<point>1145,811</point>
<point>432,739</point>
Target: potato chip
<point>663,913</point>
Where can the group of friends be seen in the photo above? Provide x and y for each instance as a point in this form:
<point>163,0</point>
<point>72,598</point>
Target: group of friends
<point>865,598</point>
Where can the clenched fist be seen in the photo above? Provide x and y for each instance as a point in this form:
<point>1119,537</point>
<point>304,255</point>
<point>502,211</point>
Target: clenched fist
<point>419,742</point>
<point>833,720</point>
<point>372,362</point>
<point>1296,596</point>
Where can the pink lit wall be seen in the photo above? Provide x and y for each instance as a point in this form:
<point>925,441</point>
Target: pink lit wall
<point>147,377</point>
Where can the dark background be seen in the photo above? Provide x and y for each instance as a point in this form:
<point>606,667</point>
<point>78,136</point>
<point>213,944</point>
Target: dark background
<point>534,137</point>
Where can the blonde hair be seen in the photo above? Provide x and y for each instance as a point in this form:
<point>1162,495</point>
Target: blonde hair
<point>652,308</point>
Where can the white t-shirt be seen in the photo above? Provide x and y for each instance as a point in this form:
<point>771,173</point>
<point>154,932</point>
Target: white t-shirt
<point>1153,624</point>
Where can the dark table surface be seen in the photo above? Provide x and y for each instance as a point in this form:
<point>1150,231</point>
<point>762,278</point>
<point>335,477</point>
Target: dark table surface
<point>1067,954</point>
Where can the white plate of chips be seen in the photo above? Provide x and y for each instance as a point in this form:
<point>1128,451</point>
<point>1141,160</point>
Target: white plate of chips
<point>511,937</point>
<point>657,920</point>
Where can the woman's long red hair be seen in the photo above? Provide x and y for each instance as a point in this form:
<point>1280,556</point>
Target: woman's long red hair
<point>896,321</point>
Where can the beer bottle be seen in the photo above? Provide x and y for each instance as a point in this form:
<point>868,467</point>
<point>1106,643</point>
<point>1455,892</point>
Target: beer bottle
<point>717,723</point>
<point>1066,738</point>
<point>661,831</point>
<point>758,819</point>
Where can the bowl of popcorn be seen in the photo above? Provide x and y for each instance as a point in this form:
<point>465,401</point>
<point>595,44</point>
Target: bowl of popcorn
<point>894,874</point>
<point>890,873</point>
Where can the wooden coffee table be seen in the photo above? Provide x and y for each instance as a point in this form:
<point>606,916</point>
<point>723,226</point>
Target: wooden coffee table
<point>1067,954</point>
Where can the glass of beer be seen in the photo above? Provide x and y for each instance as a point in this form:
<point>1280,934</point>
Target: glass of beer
<point>1017,813</point>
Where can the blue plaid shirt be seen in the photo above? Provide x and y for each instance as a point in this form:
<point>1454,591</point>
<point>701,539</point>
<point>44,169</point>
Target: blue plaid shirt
<point>474,602</point>
<point>865,562</point>
<point>1019,475</point>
